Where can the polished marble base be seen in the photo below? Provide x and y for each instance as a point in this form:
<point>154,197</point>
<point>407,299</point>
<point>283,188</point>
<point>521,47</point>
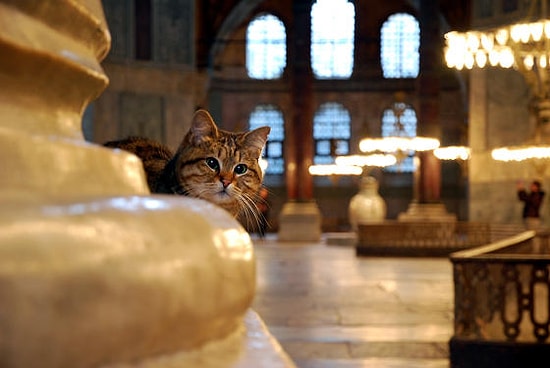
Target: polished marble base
<point>251,346</point>
<point>329,308</point>
<point>300,221</point>
<point>435,212</point>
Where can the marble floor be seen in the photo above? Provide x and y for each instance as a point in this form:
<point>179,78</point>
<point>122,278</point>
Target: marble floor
<point>331,309</point>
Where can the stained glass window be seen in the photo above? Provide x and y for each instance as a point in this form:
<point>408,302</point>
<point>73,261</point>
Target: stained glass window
<point>331,132</point>
<point>265,47</point>
<point>332,38</point>
<point>400,41</point>
<point>270,115</point>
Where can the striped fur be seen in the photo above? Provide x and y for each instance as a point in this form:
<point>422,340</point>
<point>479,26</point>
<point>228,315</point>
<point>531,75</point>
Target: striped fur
<point>218,166</point>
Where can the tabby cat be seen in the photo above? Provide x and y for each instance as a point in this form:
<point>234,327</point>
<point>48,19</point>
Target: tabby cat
<point>218,166</point>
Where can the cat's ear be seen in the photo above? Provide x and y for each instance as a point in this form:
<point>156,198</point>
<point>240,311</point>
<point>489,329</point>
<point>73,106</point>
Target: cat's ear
<point>203,128</point>
<point>257,138</point>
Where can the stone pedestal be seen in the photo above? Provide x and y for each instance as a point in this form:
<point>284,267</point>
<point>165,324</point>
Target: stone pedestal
<point>435,212</point>
<point>300,221</point>
<point>94,271</point>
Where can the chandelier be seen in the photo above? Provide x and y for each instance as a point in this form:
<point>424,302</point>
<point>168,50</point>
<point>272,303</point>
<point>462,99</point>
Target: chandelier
<point>353,165</point>
<point>449,153</point>
<point>374,160</point>
<point>398,142</point>
<point>524,46</point>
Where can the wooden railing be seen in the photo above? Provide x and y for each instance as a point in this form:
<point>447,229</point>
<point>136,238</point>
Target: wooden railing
<point>428,238</point>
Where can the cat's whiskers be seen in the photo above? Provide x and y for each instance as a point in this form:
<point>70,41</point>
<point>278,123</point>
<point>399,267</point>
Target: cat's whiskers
<point>249,210</point>
<point>200,191</point>
<point>194,169</point>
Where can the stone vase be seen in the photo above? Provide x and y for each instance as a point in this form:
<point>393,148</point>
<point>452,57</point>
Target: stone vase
<point>367,206</point>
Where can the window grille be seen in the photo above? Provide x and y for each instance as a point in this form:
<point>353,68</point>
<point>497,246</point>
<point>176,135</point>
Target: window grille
<point>332,39</point>
<point>265,47</point>
<point>270,115</point>
<point>405,126</point>
<point>400,41</point>
<point>331,132</point>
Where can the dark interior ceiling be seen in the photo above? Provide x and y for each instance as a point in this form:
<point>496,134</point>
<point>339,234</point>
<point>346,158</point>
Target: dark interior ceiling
<point>214,14</point>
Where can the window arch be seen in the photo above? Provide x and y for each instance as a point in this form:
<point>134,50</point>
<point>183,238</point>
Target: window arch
<point>399,44</point>
<point>270,115</point>
<point>265,47</point>
<point>332,46</point>
<point>331,132</point>
<point>400,120</point>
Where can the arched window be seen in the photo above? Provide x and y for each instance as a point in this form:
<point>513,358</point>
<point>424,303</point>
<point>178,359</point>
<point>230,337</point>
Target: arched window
<point>400,120</point>
<point>400,41</point>
<point>332,38</point>
<point>270,115</point>
<point>265,47</point>
<point>331,132</point>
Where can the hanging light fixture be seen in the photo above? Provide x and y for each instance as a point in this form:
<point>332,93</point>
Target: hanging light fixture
<point>398,142</point>
<point>393,144</point>
<point>450,153</point>
<point>334,169</point>
<point>524,46</point>
<point>374,160</point>
<point>352,165</point>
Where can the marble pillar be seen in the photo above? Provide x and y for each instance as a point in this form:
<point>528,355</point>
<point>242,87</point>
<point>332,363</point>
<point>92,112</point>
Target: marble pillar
<point>426,204</point>
<point>300,218</point>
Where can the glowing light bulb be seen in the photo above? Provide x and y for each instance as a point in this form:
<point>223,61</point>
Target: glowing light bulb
<point>528,62</point>
<point>543,62</point>
<point>494,58</point>
<point>536,29</point>
<point>502,36</point>
<point>487,41</point>
<point>506,58</point>
<point>481,58</point>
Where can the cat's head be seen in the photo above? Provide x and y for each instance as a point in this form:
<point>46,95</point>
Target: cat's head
<point>221,167</point>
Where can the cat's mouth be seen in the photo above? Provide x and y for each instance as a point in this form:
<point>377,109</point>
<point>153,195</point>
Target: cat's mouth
<point>223,196</point>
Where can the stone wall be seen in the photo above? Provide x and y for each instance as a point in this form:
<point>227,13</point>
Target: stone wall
<point>499,115</point>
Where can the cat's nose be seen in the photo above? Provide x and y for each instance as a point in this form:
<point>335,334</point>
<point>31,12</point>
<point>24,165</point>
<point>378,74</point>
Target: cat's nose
<point>225,182</point>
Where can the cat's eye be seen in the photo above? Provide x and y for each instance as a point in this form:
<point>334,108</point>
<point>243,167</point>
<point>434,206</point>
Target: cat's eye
<point>213,163</point>
<point>240,169</point>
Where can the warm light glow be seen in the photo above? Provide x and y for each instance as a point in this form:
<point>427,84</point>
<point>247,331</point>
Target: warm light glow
<point>424,144</point>
<point>517,44</point>
<point>543,61</point>
<point>481,59</point>
<point>523,46</point>
<point>375,160</point>
<point>529,62</point>
<point>536,29</point>
<point>506,58</point>
<point>263,164</point>
<point>521,153</point>
<point>396,144</point>
<point>547,29</point>
<point>452,153</point>
<point>502,36</point>
<point>325,170</point>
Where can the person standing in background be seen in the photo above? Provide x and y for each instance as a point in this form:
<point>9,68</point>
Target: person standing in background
<point>532,203</point>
